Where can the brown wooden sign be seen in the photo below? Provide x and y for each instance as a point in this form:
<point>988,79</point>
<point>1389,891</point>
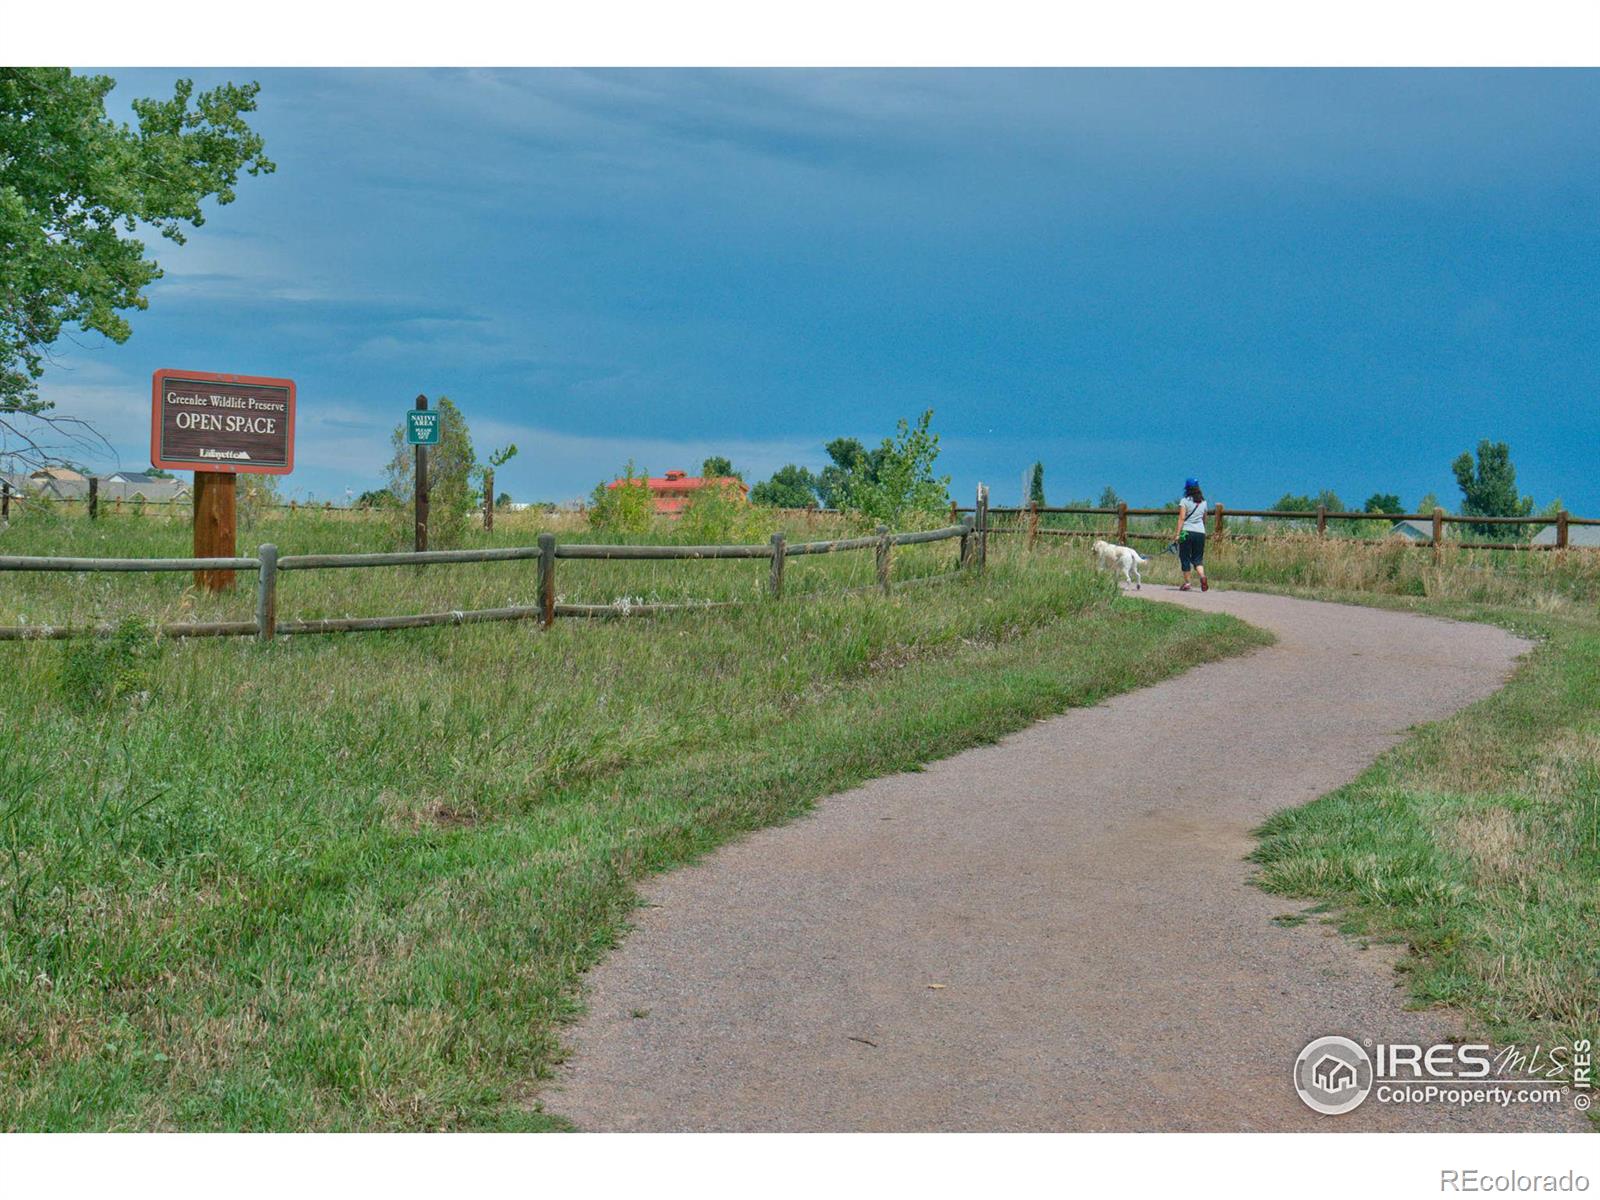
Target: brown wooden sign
<point>200,421</point>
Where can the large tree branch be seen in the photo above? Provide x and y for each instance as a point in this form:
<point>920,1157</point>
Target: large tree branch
<point>35,440</point>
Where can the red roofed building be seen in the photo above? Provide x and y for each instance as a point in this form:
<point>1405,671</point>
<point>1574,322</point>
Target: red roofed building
<point>673,490</point>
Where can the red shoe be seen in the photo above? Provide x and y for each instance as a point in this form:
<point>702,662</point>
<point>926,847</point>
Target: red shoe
<point>1205,586</point>
<point>1186,588</point>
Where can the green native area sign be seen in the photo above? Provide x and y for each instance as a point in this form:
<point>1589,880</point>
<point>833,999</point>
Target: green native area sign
<point>422,428</point>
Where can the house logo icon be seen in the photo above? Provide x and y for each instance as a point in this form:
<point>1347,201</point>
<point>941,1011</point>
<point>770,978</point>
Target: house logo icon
<point>1333,1075</point>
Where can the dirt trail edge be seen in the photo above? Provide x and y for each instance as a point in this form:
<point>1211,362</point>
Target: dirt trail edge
<point>1052,933</point>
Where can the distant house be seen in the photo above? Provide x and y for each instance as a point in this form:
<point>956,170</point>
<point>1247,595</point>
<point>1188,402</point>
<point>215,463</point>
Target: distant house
<point>130,487</point>
<point>149,488</point>
<point>58,474</point>
<point>1587,536</point>
<point>1415,531</point>
<point>59,485</point>
<point>673,490</point>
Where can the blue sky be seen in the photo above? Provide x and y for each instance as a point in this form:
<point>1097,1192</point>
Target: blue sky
<point>1276,280</point>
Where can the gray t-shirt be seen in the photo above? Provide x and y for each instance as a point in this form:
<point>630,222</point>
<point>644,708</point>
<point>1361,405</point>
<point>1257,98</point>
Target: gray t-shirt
<point>1194,515</point>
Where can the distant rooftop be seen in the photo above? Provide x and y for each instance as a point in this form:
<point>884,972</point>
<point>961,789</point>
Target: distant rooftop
<point>1577,535</point>
<point>1417,531</point>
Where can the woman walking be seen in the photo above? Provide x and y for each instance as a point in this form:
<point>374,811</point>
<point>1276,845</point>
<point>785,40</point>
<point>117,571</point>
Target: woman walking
<point>1192,534</point>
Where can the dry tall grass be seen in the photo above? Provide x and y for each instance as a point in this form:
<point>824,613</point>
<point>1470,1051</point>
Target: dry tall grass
<point>1545,581</point>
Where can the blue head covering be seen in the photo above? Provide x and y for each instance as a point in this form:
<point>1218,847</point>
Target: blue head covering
<point>1190,482</point>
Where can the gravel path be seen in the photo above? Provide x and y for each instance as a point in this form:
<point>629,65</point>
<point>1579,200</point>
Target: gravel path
<point>1051,933</point>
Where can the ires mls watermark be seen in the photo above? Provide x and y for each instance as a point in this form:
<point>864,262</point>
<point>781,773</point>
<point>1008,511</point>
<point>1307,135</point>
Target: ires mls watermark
<point>1335,1075</point>
<point>1498,1183</point>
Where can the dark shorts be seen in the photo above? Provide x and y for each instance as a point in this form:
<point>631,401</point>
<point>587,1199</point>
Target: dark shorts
<point>1192,550</point>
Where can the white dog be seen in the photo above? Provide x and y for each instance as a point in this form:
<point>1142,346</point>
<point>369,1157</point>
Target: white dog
<point>1120,558</point>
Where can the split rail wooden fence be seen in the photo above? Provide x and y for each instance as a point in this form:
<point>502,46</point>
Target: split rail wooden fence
<point>269,565</point>
<point>1437,520</point>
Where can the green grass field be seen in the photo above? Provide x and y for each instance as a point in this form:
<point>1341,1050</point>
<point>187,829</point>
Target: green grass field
<point>1477,841</point>
<point>350,882</point>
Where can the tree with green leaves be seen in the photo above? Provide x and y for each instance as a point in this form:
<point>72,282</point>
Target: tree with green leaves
<point>502,456</point>
<point>719,467</point>
<point>791,486</point>
<point>74,187</point>
<point>1382,502</point>
<point>452,466</point>
<point>902,480</point>
<point>850,463</point>
<point>483,473</point>
<point>1036,485</point>
<point>1308,504</point>
<point>1489,489</point>
<point>1108,498</point>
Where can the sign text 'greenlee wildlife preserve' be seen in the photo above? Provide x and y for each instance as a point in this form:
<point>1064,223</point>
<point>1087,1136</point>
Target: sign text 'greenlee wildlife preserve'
<point>206,422</point>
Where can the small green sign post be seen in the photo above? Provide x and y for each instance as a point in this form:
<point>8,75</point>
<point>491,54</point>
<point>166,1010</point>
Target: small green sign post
<point>422,427</point>
<point>422,431</point>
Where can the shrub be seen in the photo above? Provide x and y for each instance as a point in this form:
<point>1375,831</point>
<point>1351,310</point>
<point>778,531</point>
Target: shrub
<point>717,514</point>
<point>256,498</point>
<point>96,672</point>
<point>627,508</point>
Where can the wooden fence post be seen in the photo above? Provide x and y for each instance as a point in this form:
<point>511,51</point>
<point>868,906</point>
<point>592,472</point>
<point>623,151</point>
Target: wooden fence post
<point>94,497</point>
<point>982,515</point>
<point>1122,522</point>
<point>547,579</point>
<point>1438,535</point>
<point>775,578</point>
<point>885,549</point>
<point>1216,529</point>
<point>267,594</point>
<point>954,520</point>
<point>5,501</point>
<point>117,504</point>
<point>964,549</point>
<point>1033,524</point>
<point>488,499</point>
<point>1322,520</point>
<point>1561,529</point>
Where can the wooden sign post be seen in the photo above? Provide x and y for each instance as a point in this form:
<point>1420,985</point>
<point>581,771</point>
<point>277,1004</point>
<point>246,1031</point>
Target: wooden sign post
<point>216,524</point>
<point>422,431</point>
<point>219,426</point>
